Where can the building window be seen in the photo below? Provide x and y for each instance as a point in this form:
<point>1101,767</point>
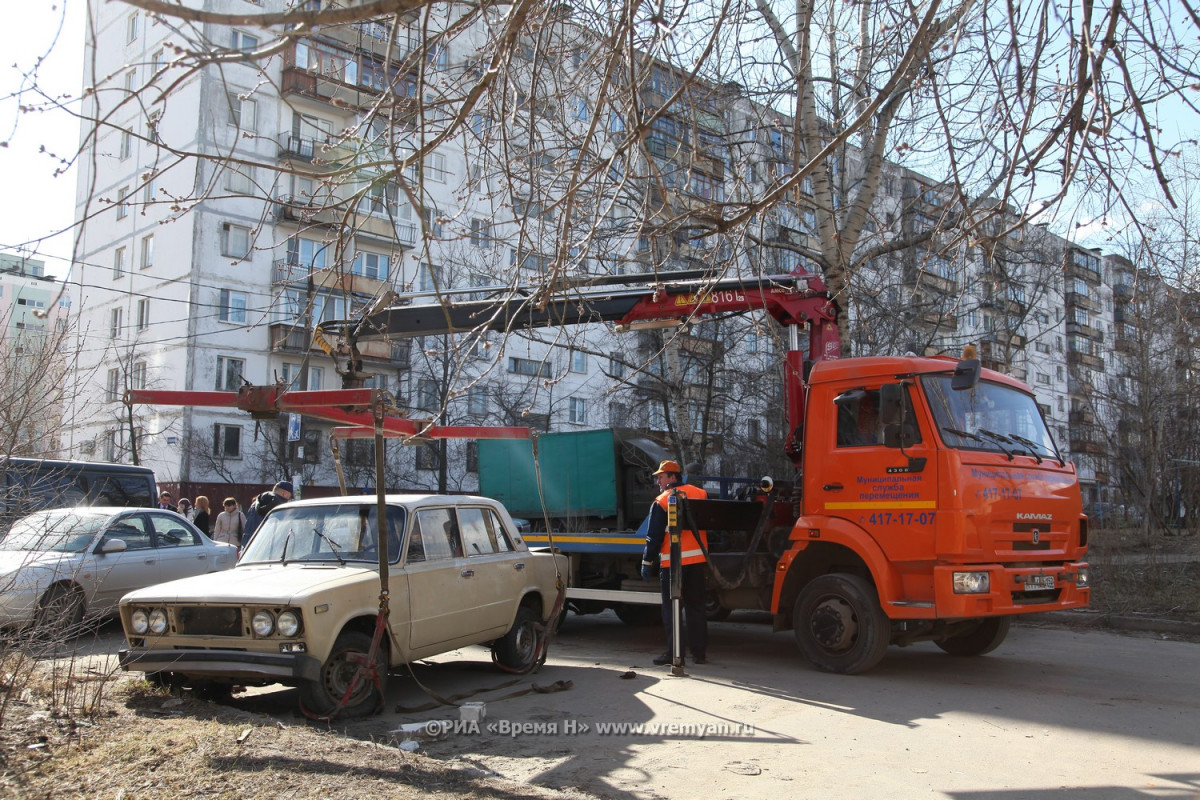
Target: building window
<point>616,368</point>
<point>427,458</point>
<point>1041,347</point>
<point>126,145</point>
<point>147,251</point>
<point>235,240</point>
<point>243,112</point>
<point>227,441</point>
<point>577,411</point>
<point>118,263</point>
<point>244,42</point>
<point>428,278</point>
<point>754,429</point>
<point>149,190</point>
<point>481,233</point>
<point>114,324</point>
<point>132,24</point>
<point>112,387</point>
<point>527,366</point>
<point>240,180</point>
<point>579,361</point>
<point>233,307</point>
<point>139,375</point>
<point>1043,379</point>
<point>435,168</point>
<point>372,265</point>
<point>427,395</point>
<point>122,206</point>
<point>477,401</point>
<point>143,314</point>
<point>472,456</point>
<point>229,373</point>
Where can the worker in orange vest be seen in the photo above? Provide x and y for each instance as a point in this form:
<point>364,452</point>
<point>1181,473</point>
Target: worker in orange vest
<point>658,551</point>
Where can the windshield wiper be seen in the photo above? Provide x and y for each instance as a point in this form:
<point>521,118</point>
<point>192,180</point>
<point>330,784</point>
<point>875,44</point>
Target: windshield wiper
<point>1035,445</point>
<point>287,539</point>
<point>999,439</point>
<point>332,546</point>
<point>992,439</point>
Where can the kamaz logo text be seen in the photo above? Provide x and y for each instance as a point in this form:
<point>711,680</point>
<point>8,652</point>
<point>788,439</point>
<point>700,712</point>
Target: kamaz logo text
<point>1046,517</point>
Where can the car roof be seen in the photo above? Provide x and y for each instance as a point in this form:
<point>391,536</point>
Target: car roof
<point>407,500</point>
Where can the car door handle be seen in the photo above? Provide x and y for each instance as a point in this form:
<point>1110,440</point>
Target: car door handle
<point>467,573</point>
<point>833,487</point>
<point>519,565</point>
<point>202,556</point>
<point>150,560</point>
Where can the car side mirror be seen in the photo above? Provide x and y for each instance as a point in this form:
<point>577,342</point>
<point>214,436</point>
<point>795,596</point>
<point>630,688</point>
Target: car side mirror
<point>113,546</point>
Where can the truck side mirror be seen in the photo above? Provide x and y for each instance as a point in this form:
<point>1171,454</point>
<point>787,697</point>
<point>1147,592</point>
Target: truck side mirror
<point>891,404</point>
<point>966,375</point>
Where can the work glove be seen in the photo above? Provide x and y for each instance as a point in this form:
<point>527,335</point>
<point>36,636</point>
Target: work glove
<point>647,573</point>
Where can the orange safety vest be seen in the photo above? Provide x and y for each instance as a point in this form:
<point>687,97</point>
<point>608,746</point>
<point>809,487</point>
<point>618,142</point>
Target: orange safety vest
<point>689,547</point>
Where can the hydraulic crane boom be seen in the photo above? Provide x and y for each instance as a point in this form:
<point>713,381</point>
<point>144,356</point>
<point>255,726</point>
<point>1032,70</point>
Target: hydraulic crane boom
<point>796,300</point>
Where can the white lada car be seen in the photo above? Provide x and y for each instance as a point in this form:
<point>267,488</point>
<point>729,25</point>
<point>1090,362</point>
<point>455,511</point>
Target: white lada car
<point>301,605</point>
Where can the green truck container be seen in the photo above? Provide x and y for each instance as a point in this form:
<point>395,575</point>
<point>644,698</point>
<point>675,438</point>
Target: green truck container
<point>588,478</point>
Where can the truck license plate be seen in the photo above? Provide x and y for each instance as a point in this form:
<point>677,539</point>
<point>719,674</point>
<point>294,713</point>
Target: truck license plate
<point>1035,582</point>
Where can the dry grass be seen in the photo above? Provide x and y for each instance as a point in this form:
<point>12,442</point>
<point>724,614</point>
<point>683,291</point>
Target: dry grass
<point>144,743</point>
<point>1135,572</point>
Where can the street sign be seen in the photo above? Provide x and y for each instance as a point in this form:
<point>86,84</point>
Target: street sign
<point>293,427</point>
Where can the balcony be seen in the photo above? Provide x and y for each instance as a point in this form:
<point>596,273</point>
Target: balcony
<point>1084,330</point>
<point>1081,416</point>
<point>289,338</point>
<point>917,276</point>
<point>1123,290</point>
<point>1086,439</point>
<point>1080,300</point>
<point>329,279</point>
<point>1085,360</point>
<point>320,87</point>
<point>1085,266</point>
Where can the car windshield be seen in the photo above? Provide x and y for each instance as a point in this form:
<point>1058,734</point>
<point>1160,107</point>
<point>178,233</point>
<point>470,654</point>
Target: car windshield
<point>989,416</point>
<point>59,531</point>
<point>340,533</point>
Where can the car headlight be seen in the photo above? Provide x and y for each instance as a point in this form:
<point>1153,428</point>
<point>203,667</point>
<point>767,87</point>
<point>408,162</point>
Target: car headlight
<point>263,623</point>
<point>288,624</point>
<point>139,621</point>
<point>158,621</point>
<point>972,583</point>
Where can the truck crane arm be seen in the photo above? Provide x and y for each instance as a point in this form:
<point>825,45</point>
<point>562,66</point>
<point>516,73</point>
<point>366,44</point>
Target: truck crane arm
<point>797,300</point>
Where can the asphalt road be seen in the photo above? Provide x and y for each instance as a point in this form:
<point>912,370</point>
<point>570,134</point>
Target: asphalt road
<point>1054,713</point>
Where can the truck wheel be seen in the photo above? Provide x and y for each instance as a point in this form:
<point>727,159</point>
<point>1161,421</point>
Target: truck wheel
<point>321,697</point>
<point>637,615</point>
<point>518,649</point>
<point>713,610</point>
<point>984,638</point>
<point>60,612</point>
<point>839,625</point>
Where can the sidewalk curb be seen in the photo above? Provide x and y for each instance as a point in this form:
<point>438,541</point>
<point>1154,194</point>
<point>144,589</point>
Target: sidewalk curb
<point>1122,622</point>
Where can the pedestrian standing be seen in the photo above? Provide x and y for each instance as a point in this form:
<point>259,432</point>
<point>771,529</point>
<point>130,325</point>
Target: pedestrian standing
<point>230,524</point>
<point>694,546</point>
<point>201,519</point>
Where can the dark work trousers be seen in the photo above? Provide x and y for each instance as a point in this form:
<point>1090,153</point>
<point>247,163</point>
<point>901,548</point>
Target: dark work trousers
<point>694,620</point>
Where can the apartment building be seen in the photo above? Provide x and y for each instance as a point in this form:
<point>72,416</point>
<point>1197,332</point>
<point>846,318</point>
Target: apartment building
<point>273,190</point>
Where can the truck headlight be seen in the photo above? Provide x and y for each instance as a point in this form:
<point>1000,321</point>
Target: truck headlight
<point>972,583</point>
<point>288,624</point>
<point>158,621</point>
<point>263,623</point>
<point>1083,578</point>
<point>139,621</point>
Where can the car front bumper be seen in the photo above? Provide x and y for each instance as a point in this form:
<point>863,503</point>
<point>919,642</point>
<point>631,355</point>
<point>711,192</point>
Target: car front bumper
<point>240,665</point>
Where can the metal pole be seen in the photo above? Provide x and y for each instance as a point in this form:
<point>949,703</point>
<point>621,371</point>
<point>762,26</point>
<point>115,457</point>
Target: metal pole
<point>381,540</point>
<point>676,556</point>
